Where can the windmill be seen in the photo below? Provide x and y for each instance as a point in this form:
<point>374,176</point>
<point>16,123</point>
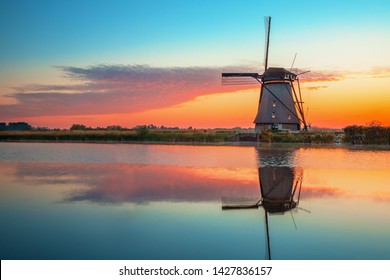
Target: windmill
<point>280,104</point>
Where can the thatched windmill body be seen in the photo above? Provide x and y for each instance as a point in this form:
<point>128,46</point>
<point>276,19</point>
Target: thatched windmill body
<point>280,104</point>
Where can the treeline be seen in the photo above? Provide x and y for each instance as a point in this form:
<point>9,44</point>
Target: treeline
<point>371,134</point>
<point>15,126</point>
<point>21,126</point>
<point>118,127</point>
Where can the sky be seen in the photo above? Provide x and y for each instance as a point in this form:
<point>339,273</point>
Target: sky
<point>129,63</point>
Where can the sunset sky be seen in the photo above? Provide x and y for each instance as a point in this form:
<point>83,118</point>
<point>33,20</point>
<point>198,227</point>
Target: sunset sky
<point>130,63</point>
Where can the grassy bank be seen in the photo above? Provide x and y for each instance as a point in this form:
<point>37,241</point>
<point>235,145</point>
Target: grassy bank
<point>144,135</point>
<point>370,135</point>
<point>317,137</point>
<point>116,136</point>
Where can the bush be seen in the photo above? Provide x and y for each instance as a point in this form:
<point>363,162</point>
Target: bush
<point>265,136</point>
<point>142,130</point>
<point>372,134</point>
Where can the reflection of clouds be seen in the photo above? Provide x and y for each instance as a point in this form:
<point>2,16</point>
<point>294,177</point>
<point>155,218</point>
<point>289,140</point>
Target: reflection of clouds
<point>57,173</point>
<point>116,183</point>
<point>382,196</point>
<point>353,158</point>
<point>322,192</point>
<point>318,192</point>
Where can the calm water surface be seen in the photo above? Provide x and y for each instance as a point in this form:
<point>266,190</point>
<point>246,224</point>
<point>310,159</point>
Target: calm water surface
<point>118,201</point>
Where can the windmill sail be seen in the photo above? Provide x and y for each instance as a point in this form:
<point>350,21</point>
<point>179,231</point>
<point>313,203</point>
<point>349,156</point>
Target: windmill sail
<point>267,24</point>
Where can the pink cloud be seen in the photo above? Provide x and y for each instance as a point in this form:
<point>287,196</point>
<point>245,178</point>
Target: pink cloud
<point>108,89</point>
<point>321,76</point>
<point>105,89</point>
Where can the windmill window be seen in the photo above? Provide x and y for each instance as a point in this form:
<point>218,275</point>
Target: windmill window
<point>289,116</point>
<point>273,115</point>
<point>274,103</point>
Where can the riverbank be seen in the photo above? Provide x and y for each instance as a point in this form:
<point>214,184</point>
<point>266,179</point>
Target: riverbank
<point>368,136</point>
<point>180,136</point>
<point>116,136</point>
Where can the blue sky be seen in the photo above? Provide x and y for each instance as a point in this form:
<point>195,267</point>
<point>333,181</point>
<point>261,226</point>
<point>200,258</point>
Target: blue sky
<point>177,32</point>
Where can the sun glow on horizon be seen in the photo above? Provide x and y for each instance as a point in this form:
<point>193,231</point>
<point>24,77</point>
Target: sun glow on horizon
<point>334,104</point>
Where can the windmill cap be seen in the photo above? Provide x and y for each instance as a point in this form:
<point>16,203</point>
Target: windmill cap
<point>274,73</point>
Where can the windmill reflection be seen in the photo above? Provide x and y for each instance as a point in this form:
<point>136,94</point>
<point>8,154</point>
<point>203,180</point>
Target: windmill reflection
<point>280,190</point>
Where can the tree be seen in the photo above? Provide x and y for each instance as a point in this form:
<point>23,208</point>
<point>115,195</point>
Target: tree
<point>18,126</point>
<point>374,123</point>
<point>114,127</point>
<point>78,127</point>
<point>3,126</point>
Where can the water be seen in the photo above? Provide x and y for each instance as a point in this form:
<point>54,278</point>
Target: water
<point>118,201</point>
